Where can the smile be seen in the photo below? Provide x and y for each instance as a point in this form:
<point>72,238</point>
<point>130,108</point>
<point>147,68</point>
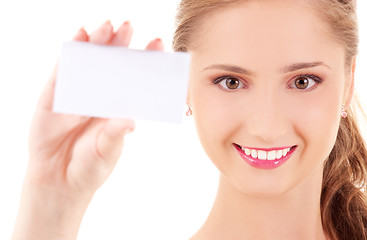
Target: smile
<point>265,158</point>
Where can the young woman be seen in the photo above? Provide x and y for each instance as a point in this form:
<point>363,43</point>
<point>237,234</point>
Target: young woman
<point>271,88</point>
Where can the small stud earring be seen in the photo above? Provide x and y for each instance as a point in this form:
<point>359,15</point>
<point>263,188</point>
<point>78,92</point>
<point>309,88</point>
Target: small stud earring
<point>189,111</point>
<point>344,114</point>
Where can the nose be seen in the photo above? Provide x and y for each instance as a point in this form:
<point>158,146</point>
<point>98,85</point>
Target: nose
<point>266,118</point>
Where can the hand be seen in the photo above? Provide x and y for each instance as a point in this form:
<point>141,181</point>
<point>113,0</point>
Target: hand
<point>70,156</point>
<point>75,153</point>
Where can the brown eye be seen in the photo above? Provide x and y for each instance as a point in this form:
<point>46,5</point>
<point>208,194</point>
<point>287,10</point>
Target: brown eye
<point>229,83</point>
<point>232,83</point>
<point>306,82</point>
<point>302,83</point>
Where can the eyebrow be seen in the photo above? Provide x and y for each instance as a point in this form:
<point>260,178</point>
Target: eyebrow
<point>229,68</point>
<point>291,68</point>
<point>305,65</point>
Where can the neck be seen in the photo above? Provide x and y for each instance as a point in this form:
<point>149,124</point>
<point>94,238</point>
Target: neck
<point>291,215</point>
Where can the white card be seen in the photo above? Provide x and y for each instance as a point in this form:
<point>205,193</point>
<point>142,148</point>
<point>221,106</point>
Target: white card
<point>117,82</point>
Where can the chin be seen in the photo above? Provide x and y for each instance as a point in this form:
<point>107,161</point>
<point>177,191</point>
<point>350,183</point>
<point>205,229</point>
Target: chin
<point>263,184</point>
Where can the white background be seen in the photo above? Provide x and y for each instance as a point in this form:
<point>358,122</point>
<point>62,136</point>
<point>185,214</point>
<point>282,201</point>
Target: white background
<point>163,185</point>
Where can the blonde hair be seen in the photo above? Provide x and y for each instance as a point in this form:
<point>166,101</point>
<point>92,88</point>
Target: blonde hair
<point>343,198</point>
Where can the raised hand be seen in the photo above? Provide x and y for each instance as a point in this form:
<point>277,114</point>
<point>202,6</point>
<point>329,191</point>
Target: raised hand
<point>69,156</point>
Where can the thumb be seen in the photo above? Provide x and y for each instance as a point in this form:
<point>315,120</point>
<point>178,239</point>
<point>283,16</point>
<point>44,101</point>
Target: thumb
<point>111,137</point>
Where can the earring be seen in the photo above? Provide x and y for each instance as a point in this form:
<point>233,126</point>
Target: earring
<point>344,114</point>
<point>189,111</point>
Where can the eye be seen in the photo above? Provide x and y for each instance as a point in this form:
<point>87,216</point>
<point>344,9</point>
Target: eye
<point>229,82</point>
<point>305,82</point>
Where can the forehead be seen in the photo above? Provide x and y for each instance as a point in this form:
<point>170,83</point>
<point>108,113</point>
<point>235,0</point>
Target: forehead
<point>278,30</point>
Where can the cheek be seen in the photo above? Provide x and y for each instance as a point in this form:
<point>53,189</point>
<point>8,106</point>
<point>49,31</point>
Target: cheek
<point>214,118</point>
<point>317,122</point>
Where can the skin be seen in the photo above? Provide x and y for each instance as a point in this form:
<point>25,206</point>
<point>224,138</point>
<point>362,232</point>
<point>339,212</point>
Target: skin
<point>268,111</point>
<point>69,157</point>
<point>68,163</point>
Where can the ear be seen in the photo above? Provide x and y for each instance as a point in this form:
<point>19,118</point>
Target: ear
<point>349,89</point>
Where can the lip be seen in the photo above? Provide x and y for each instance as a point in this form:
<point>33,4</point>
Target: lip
<point>265,164</point>
<point>272,149</point>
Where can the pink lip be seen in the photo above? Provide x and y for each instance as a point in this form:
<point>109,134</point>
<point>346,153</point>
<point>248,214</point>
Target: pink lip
<point>264,164</point>
<point>272,149</point>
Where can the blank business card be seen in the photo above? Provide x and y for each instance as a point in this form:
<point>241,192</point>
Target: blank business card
<point>117,82</point>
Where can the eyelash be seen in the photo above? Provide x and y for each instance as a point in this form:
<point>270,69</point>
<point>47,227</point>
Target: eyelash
<point>218,80</point>
<point>313,77</point>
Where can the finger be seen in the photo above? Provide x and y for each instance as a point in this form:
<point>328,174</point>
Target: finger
<point>155,44</point>
<point>103,34</point>
<point>45,101</point>
<point>110,139</point>
<point>81,35</point>
<point>123,35</point>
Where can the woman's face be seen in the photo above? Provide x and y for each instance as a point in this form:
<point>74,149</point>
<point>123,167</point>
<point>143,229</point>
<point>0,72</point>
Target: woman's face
<point>267,76</point>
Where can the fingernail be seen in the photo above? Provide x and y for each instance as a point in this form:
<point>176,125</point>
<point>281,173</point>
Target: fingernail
<point>124,26</point>
<point>158,40</point>
<point>106,24</point>
<point>79,33</point>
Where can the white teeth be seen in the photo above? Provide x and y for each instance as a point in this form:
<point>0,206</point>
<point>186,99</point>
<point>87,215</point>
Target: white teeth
<point>271,155</point>
<point>266,155</point>
<point>261,155</point>
<point>254,153</point>
<point>279,154</point>
<point>247,151</point>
